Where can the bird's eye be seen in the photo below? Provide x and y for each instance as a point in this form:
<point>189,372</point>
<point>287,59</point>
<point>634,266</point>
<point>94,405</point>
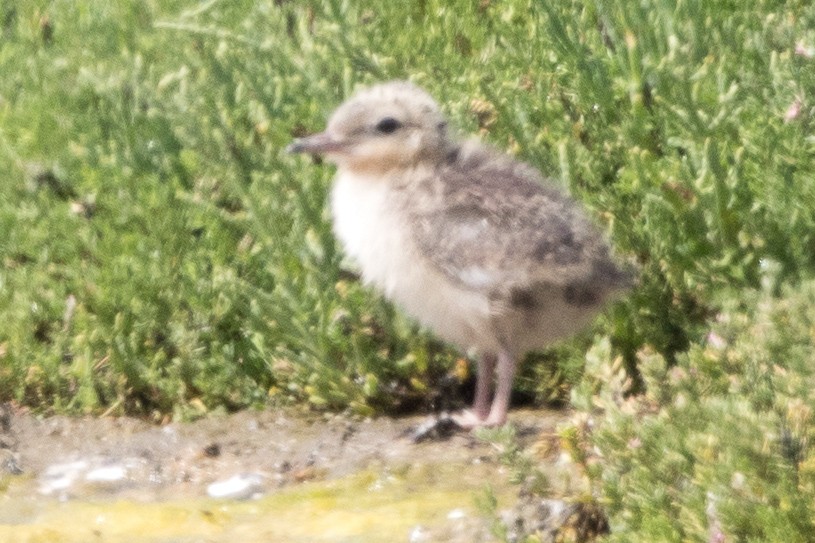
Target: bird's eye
<point>388,125</point>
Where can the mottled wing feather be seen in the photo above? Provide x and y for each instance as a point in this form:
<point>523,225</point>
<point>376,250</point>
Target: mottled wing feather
<point>497,225</point>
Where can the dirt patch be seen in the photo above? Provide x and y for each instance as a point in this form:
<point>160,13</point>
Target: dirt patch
<point>336,475</point>
<point>181,459</point>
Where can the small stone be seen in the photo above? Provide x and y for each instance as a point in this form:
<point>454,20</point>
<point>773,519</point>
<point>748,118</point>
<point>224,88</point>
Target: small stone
<point>60,477</point>
<point>106,475</point>
<point>306,474</point>
<point>436,429</point>
<point>456,514</point>
<point>9,462</point>
<point>238,487</point>
<point>418,535</point>
<point>213,450</point>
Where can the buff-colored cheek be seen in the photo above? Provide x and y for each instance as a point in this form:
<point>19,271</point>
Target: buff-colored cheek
<point>379,155</point>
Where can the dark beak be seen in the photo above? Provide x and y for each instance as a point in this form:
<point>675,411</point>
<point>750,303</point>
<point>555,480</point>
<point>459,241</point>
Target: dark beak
<point>316,144</point>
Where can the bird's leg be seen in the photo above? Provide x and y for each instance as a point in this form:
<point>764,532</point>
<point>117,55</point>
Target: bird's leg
<point>483,385</point>
<point>507,365</point>
<point>472,418</point>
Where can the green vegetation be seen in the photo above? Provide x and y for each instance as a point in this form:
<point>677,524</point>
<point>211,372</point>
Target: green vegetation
<point>720,447</point>
<point>162,255</point>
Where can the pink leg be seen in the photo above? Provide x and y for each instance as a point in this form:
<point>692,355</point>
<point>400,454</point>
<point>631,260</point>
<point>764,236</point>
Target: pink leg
<point>475,417</point>
<point>507,365</point>
<point>483,385</point>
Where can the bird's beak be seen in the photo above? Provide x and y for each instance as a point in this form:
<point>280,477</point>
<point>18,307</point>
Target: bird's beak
<point>316,144</point>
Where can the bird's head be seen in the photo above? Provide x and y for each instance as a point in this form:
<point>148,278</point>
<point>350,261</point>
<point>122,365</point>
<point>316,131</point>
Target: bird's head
<point>391,125</point>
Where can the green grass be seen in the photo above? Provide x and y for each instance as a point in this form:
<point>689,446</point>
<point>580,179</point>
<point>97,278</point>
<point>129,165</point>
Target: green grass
<point>163,256</point>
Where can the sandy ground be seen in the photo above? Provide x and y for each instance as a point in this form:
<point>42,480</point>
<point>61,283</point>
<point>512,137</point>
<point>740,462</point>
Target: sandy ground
<point>54,470</point>
<point>180,460</point>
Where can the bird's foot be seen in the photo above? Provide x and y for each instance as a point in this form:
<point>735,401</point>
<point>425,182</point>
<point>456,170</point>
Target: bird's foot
<point>470,420</point>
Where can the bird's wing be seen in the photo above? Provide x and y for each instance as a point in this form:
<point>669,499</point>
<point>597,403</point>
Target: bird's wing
<point>495,225</point>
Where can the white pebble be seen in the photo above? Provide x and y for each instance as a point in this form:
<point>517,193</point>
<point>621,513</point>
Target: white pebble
<point>456,514</point>
<point>58,477</point>
<point>418,535</point>
<point>109,474</point>
<point>237,487</point>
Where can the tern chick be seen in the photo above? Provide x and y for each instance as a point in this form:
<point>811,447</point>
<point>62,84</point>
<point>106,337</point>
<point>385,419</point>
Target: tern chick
<point>474,244</point>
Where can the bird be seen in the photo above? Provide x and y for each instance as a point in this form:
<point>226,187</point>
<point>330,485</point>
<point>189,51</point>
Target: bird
<point>476,245</point>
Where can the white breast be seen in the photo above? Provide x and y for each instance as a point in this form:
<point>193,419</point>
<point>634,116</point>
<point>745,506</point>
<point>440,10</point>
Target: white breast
<point>376,233</point>
<point>368,230</point>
